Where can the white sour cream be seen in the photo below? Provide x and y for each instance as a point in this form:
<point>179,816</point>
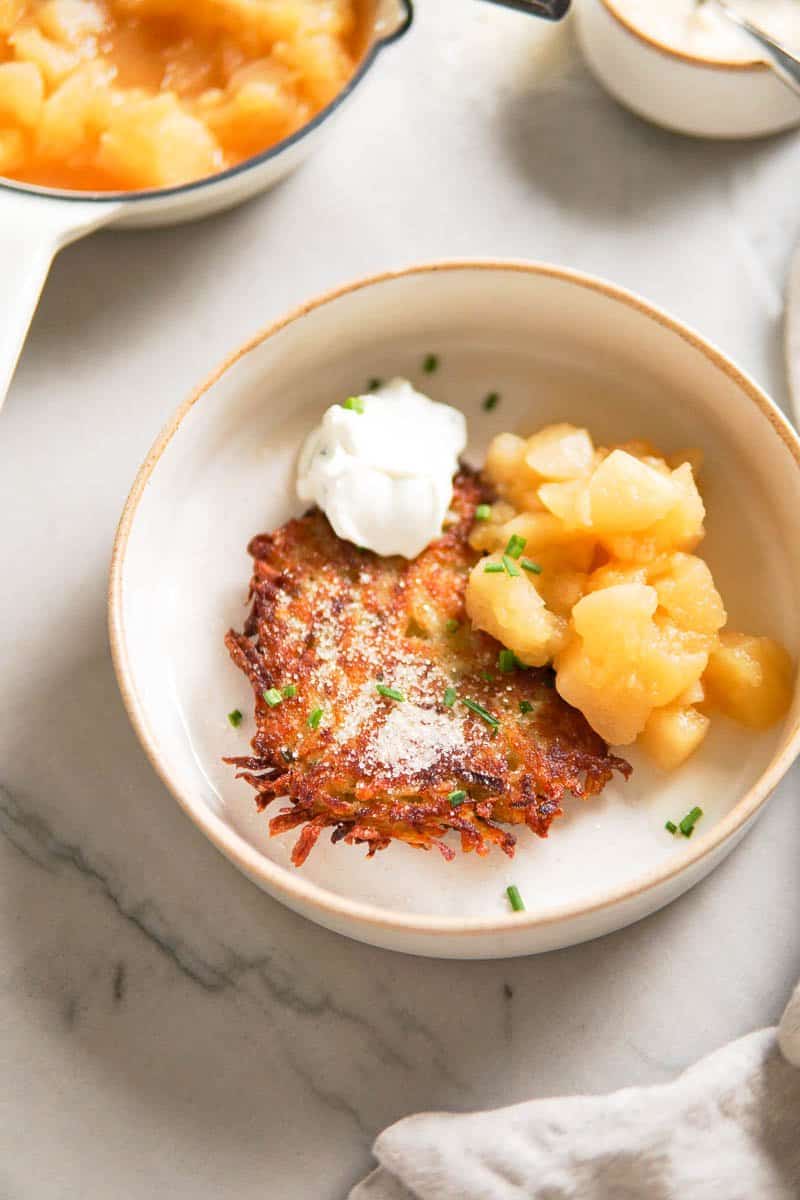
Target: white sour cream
<point>702,31</point>
<point>384,476</point>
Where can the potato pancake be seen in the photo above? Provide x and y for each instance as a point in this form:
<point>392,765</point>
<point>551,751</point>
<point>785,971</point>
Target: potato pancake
<point>382,714</point>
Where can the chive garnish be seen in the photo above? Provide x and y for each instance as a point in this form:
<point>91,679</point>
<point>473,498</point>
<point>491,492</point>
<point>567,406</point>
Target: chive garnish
<point>525,706</point>
<point>272,697</point>
<point>516,545</point>
<point>354,404</point>
<point>389,692</point>
<point>451,625</point>
<point>430,363</point>
<point>457,798</point>
<point>314,718</point>
<point>450,697</point>
<point>290,691</point>
<point>374,384</point>
<point>507,661</point>
<point>235,718</point>
<point>488,676</point>
<point>514,898</point>
<point>688,823</point>
<point>493,569</point>
<point>510,566</point>
<point>528,564</point>
<point>491,401</point>
<point>671,827</point>
<point>481,712</point>
<point>483,512</point>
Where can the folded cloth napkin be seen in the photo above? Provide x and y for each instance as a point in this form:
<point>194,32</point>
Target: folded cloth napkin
<point>727,1129</point>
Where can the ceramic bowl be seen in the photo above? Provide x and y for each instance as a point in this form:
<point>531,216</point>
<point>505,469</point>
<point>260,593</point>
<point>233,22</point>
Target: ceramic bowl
<point>557,346</point>
<point>700,96</point>
<point>37,222</point>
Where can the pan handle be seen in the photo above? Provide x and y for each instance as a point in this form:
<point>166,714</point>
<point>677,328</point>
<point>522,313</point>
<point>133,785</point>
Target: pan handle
<point>33,228</point>
<point>551,10</point>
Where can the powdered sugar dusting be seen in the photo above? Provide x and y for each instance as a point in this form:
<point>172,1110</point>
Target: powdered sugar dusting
<point>412,740</point>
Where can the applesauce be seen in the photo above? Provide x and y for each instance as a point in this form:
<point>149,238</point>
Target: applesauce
<point>109,95</point>
<point>592,568</point>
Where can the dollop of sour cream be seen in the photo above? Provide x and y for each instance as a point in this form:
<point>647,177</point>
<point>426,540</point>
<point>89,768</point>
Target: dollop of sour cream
<point>381,468</point>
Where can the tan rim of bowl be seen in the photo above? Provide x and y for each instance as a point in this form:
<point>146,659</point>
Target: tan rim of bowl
<point>695,60</point>
<point>294,886</point>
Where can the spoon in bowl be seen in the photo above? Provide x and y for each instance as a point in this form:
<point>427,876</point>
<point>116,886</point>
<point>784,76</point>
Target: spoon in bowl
<point>785,64</point>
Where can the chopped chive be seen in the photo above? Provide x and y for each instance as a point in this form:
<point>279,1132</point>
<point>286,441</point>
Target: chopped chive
<point>389,692</point>
<point>314,718</point>
<point>272,697</point>
<point>488,676</point>
<point>516,545</point>
<point>493,569</point>
<point>430,363</point>
<point>481,712</point>
<point>483,512</point>
<point>525,706</point>
<point>457,798</point>
<point>451,625</point>
<point>671,827</point>
<point>510,566</point>
<point>374,384</point>
<point>290,691</point>
<point>354,404</point>
<point>491,401</point>
<point>235,718</point>
<point>514,898</point>
<point>688,823</point>
<point>450,697</point>
<point>507,661</point>
<point>528,564</point>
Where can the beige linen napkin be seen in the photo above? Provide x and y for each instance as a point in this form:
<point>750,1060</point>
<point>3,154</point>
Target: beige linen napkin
<point>727,1129</point>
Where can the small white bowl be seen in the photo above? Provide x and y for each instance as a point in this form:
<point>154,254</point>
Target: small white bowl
<point>704,97</point>
<point>37,222</point>
<point>556,345</point>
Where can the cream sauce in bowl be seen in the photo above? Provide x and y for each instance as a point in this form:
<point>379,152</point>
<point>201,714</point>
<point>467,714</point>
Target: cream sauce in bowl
<point>703,32</point>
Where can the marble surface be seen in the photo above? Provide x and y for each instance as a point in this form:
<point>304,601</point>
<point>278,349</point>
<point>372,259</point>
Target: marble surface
<point>165,1029</point>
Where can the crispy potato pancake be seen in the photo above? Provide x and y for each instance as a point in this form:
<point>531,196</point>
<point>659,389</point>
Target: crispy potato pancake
<point>469,747</point>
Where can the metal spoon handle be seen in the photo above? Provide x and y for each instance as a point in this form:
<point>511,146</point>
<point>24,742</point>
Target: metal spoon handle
<point>785,65</point>
<point>551,10</point>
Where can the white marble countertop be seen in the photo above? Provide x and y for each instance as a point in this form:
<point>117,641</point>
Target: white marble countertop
<point>165,1029</point>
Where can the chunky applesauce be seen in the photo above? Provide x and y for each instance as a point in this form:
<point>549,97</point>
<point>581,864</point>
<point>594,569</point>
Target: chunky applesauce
<point>132,94</point>
<point>591,566</point>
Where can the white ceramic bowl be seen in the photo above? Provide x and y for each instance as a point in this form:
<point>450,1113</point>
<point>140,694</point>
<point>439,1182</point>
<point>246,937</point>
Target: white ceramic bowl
<point>36,222</point>
<point>700,96</point>
<point>557,346</point>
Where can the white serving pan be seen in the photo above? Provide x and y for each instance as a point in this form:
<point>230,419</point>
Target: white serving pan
<point>35,222</point>
<point>557,346</point>
<point>700,96</point>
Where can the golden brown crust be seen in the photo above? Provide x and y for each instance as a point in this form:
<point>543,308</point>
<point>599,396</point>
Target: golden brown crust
<point>335,621</point>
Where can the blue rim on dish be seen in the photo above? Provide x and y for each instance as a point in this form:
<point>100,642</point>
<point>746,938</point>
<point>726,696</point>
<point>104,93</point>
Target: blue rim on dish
<point>406,10</point>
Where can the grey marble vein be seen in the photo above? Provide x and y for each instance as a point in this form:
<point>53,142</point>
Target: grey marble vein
<point>32,837</point>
